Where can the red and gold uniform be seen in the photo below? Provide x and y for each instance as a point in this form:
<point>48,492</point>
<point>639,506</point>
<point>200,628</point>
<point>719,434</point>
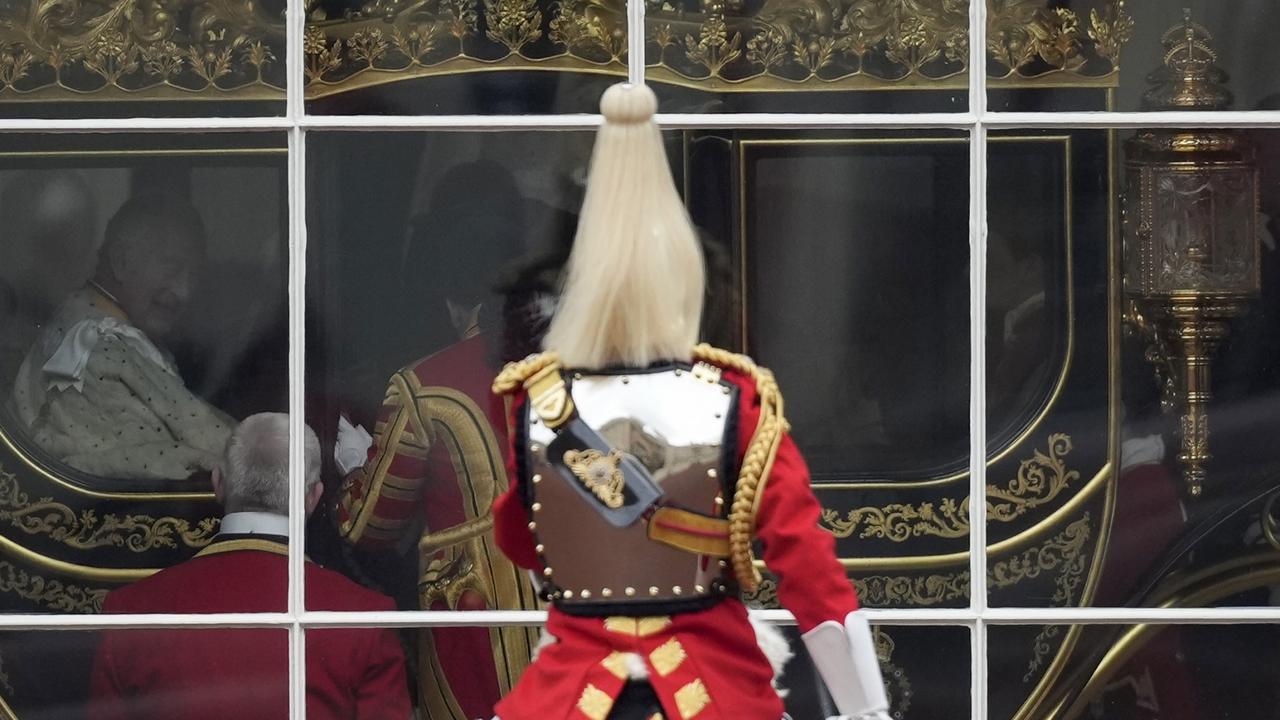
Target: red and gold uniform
<point>243,673</point>
<point>437,455</point>
<point>699,651</point>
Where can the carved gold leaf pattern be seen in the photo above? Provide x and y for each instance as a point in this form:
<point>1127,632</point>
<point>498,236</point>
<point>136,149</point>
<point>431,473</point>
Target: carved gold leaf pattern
<point>52,594</point>
<point>78,49</point>
<point>1064,553</point>
<point>132,48</point>
<point>86,530</point>
<point>1039,480</point>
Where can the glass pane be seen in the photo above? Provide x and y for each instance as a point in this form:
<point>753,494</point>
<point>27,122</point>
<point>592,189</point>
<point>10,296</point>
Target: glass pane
<point>389,217</point>
<point>89,59</point>
<point>925,671</point>
<point>142,315</point>
<point>867,332</point>
<point>1124,672</point>
<point>462,56</point>
<point>1132,329</point>
<point>156,673</point>
<point>430,254</point>
<point>785,56</point>
<point>1116,55</point>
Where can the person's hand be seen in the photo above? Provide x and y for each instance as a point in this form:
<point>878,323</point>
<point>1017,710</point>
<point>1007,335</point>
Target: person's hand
<point>352,448</point>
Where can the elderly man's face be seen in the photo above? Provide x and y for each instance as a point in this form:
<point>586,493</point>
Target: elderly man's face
<point>156,280</point>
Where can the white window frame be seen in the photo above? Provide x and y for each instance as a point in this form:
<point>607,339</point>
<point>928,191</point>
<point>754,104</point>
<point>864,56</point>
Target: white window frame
<point>977,121</point>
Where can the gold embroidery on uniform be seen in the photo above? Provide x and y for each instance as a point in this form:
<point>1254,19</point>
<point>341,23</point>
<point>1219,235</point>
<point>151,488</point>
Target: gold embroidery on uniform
<point>599,473</point>
<point>647,626</point>
<point>616,663</point>
<point>595,703</point>
<point>667,657</point>
<point>691,699</point>
<point>636,627</point>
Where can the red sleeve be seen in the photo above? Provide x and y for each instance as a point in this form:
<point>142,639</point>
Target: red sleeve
<point>811,582</point>
<point>510,517</point>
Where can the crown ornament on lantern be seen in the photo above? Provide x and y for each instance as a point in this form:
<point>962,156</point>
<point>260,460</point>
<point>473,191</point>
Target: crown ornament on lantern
<point>1190,78</point>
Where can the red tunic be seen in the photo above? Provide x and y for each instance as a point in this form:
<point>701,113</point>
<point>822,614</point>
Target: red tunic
<point>438,455</point>
<point>243,673</point>
<point>705,664</point>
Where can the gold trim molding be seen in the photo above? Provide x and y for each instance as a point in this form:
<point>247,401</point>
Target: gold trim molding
<point>120,49</point>
<point>1066,552</point>
<point>1039,481</point>
<point>86,530</point>
<point>52,594</point>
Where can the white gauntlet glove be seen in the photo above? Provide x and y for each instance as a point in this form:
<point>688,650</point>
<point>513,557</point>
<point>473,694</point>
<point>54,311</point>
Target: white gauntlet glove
<point>845,656</point>
<point>352,447</point>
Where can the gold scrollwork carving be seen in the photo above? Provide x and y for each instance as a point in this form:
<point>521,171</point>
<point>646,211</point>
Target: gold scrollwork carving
<point>165,48</point>
<point>86,530</point>
<point>1065,553</point>
<point>1039,480</point>
<point>52,594</point>
<point>784,44</point>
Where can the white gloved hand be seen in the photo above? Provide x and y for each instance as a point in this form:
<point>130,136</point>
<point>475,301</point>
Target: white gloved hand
<point>844,655</point>
<point>867,716</point>
<point>352,448</point>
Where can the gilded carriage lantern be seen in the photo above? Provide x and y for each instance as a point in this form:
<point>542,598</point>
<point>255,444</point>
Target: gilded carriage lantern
<point>1191,241</point>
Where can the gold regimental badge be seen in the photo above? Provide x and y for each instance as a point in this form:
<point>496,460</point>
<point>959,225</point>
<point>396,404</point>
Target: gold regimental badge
<point>600,473</point>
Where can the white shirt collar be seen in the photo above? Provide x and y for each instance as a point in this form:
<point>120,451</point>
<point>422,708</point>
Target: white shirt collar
<point>254,523</point>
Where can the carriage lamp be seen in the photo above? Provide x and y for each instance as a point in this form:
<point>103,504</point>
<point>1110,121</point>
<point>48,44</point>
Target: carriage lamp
<point>1190,237</point>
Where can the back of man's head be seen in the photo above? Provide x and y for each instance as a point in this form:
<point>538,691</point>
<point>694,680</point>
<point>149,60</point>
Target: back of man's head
<point>255,466</point>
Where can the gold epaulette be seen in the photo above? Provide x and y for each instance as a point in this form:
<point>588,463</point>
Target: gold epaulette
<point>757,462</point>
<point>514,375</point>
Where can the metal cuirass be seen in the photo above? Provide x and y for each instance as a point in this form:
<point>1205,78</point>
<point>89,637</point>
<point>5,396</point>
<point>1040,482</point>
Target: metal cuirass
<point>679,422</point>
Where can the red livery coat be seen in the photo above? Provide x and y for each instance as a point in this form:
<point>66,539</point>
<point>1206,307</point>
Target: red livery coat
<point>437,456</point>
<point>243,673</point>
<point>703,664</point>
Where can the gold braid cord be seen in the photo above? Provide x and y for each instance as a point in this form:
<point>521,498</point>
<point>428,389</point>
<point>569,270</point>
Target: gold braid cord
<point>514,374</point>
<point>757,462</point>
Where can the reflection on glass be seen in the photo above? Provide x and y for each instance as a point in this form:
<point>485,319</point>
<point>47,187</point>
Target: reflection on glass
<point>438,264</point>
<point>463,56</point>
<point>1191,672</point>
<point>925,673</point>
<point>1075,519</point>
<point>125,355</point>
<point>94,58</point>
<point>1102,52</point>
<point>834,239</point>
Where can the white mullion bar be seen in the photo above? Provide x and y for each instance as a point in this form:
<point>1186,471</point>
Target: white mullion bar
<point>689,121</point>
<point>978,660</point>
<point>668,121</point>
<point>295,109</point>
<point>1129,120</point>
<point>297,415</point>
<point>458,618</point>
<point>635,41</point>
<point>143,125</point>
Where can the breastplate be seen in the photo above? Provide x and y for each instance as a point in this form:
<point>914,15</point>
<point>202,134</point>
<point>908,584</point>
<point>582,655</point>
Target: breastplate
<point>679,423</point>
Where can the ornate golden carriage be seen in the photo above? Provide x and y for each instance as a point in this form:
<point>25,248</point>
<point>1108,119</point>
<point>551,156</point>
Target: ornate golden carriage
<point>899,504</point>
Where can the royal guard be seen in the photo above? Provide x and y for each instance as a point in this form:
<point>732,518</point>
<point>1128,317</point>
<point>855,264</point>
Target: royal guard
<point>436,457</point>
<point>645,468</point>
